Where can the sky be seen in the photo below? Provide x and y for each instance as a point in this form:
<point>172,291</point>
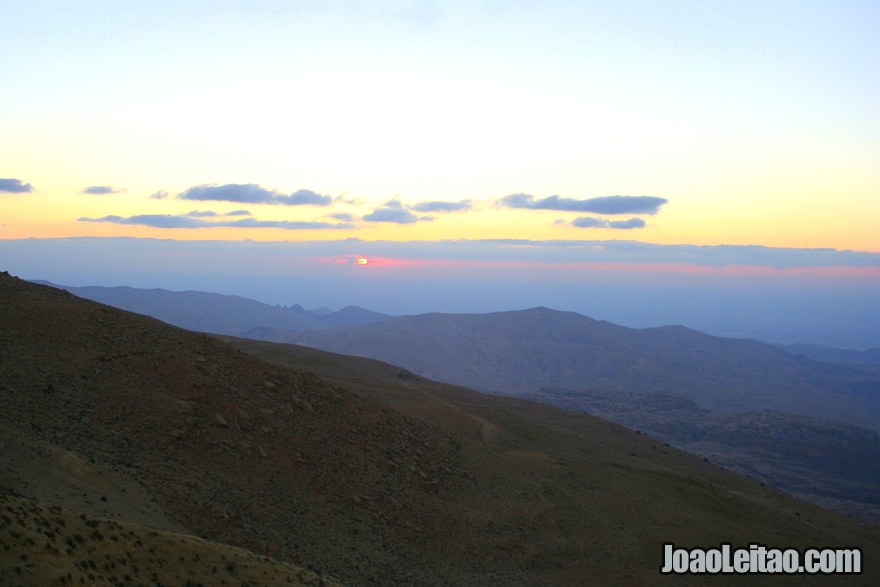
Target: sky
<point>564,146</point>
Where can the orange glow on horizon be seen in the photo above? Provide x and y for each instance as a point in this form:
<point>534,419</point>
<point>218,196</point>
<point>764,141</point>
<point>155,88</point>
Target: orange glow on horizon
<point>821,272</point>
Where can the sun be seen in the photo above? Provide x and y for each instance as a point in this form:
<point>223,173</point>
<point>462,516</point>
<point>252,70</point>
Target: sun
<point>362,261</point>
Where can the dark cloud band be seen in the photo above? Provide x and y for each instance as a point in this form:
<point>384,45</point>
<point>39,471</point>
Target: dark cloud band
<point>154,220</point>
<point>212,214</point>
<point>188,221</point>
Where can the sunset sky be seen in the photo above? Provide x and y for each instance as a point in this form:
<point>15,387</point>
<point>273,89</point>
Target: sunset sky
<point>685,123</point>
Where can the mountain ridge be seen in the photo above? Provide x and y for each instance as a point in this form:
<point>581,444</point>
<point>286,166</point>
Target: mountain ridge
<point>218,313</point>
<point>524,351</point>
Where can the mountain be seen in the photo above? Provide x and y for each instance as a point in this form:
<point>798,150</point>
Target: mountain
<point>353,316</point>
<point>524,351</point>
<point>219,313</point>
<point>200,311</point>
<point>154,438</point>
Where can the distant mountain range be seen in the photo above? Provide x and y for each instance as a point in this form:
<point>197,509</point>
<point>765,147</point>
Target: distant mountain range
<point>119,432</point>
<point>865,358</point>
<point>219,313</point>
<point>753,407</point>
<point>524,351</point>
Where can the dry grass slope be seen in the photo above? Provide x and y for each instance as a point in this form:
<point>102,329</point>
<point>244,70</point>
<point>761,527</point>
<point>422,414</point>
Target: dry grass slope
<point>43,545</point>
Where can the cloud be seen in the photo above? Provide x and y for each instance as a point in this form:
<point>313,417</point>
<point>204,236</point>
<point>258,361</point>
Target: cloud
<point>211,213</point>
<point>154,220</point>
<point>395,211</point>
<point>251,193</point>
<point>285,224</point>
<point>590,222</point>
<point>397,215</point>
<point>440,206</point>
<point>346,199</point>
<point>100,190</point>
<point>343,216</point>
<point>230,192</point>
<point>190,221</point>
<point>304,198</point>
<point>600,205</point>
<point>627,224</point>
<point>160,195</point>
<point>15,186</point>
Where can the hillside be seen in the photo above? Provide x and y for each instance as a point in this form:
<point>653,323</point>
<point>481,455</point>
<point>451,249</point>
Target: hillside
<point>524,351</point>
<point>415,483</point>
<point>832,464</point>
<point>829,463</point>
